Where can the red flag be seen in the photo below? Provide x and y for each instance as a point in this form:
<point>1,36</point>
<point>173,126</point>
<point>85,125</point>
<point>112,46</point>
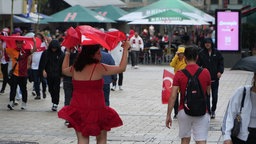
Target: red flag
<point>71,39</point>
<point>90,35</point>
<point>28,41</point>
<point>167,86</point>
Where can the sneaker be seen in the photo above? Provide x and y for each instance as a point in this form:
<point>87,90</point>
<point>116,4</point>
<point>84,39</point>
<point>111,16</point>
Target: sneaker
<point>175,117</point>
<point>33,93</point>
<point>23,106</point>
<point>213,115</point>
<point>136,67</point>
<point>10,106</point>
<point>120,88</point>
<point>37,98</point>
<point>66,123</point>
<point>54,107</point>
<point>15,104</point>
<point>113,88</point>
<point>44,95</point>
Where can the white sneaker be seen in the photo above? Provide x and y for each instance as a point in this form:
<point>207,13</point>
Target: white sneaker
<point>54,107</point>
<point>23,106</point>
<point>136,67</point>
<point>120,88</point>
<point>113,88</point>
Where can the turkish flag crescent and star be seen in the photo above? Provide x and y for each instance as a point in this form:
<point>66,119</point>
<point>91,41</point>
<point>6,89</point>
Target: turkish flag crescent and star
<point>167,86</point>
<point>87,35</point>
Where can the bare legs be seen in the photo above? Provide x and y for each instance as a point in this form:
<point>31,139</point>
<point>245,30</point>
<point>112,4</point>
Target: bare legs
<point>187,140</point>
<point>81,139</point>
<point>101,139</point>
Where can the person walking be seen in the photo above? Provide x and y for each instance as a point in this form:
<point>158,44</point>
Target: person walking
<point>19,57</point>
<point>50,67</point>
<point>212,59</point>
<point>37,79</point>
<point>87,112</point>
<point>67,80</point>
<point>4,58</point>
<point>137,46</point>
<point>248,115</point>
<point>117,56</point>
<point>107,59</point>
<point>178,63</point>
<point>198,125</point>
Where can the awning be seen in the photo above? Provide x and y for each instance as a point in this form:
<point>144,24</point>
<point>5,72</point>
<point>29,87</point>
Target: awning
<point>18,19</point>
<point>110,11</point>
<point>76,14</point>
<point>94,3</point>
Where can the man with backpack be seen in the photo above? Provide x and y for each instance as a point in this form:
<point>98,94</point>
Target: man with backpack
<point>194,84</point>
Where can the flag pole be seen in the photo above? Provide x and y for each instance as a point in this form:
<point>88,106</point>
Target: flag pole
<point>11,20</point>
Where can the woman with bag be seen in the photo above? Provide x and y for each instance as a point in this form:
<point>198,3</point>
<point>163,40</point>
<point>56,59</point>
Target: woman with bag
<point>247,132</point>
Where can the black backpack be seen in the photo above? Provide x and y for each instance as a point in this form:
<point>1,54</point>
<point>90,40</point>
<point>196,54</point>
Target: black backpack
<point>194,99</point>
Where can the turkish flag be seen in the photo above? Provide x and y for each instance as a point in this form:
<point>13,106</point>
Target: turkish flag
<point>91,36</point>
<point>167,86</point>
<point>71,39</point>
<point>28,42</point>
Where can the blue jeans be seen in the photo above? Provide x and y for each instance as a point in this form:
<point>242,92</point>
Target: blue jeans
<point>106,89</point>
<point>37,80</point>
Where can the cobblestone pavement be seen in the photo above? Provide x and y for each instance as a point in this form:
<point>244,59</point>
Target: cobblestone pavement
<point>139,106</point>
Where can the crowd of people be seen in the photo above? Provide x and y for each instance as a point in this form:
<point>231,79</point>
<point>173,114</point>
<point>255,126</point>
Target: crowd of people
<point>87,72</point>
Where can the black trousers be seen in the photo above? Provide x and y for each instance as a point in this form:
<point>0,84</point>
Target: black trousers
<point>22,82</point>
<point>4,69</point>
<point>250,140</point>
<point>120,80</point>
<point>68,90</point>
<point>54,88</point>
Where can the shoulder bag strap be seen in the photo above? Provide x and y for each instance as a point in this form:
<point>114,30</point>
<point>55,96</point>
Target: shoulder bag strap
<point>242,102</point>
<point>17,60</point>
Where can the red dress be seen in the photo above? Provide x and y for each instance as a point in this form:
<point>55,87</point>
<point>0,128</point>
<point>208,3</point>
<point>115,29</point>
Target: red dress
<point>87,112</point>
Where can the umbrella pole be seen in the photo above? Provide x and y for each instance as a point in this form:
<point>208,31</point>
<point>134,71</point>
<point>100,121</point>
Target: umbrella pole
<point>11,21</point>
<point>38,19</point>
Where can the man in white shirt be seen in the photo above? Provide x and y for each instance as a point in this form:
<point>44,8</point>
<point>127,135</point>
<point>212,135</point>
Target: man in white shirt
<point>137,46</point>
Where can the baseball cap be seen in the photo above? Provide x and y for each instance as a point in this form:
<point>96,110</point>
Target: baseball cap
<point>181,50</point>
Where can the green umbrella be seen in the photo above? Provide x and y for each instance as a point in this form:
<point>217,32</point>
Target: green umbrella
<point>169,18</point>
<point>164,5</point>
<point>111,12</point>
<point>78,13</point>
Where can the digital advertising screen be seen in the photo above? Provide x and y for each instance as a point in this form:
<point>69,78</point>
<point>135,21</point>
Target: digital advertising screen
<point>228,30</point>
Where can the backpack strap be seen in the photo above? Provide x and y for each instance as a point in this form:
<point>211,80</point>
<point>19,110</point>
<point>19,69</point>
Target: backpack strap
<point>199,70</point>
<point>185,71</point>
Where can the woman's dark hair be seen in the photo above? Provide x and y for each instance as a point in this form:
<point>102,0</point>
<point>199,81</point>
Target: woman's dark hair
<point>86,57</point>
<point>191,53</point>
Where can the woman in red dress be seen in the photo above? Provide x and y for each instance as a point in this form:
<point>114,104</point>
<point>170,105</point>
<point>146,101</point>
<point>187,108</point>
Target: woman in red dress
<point>87,112</point>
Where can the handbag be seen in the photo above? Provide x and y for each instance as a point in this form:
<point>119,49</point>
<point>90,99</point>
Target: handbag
<point>238,119</point>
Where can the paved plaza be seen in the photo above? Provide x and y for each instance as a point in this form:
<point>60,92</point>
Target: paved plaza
<point>139,106</point>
